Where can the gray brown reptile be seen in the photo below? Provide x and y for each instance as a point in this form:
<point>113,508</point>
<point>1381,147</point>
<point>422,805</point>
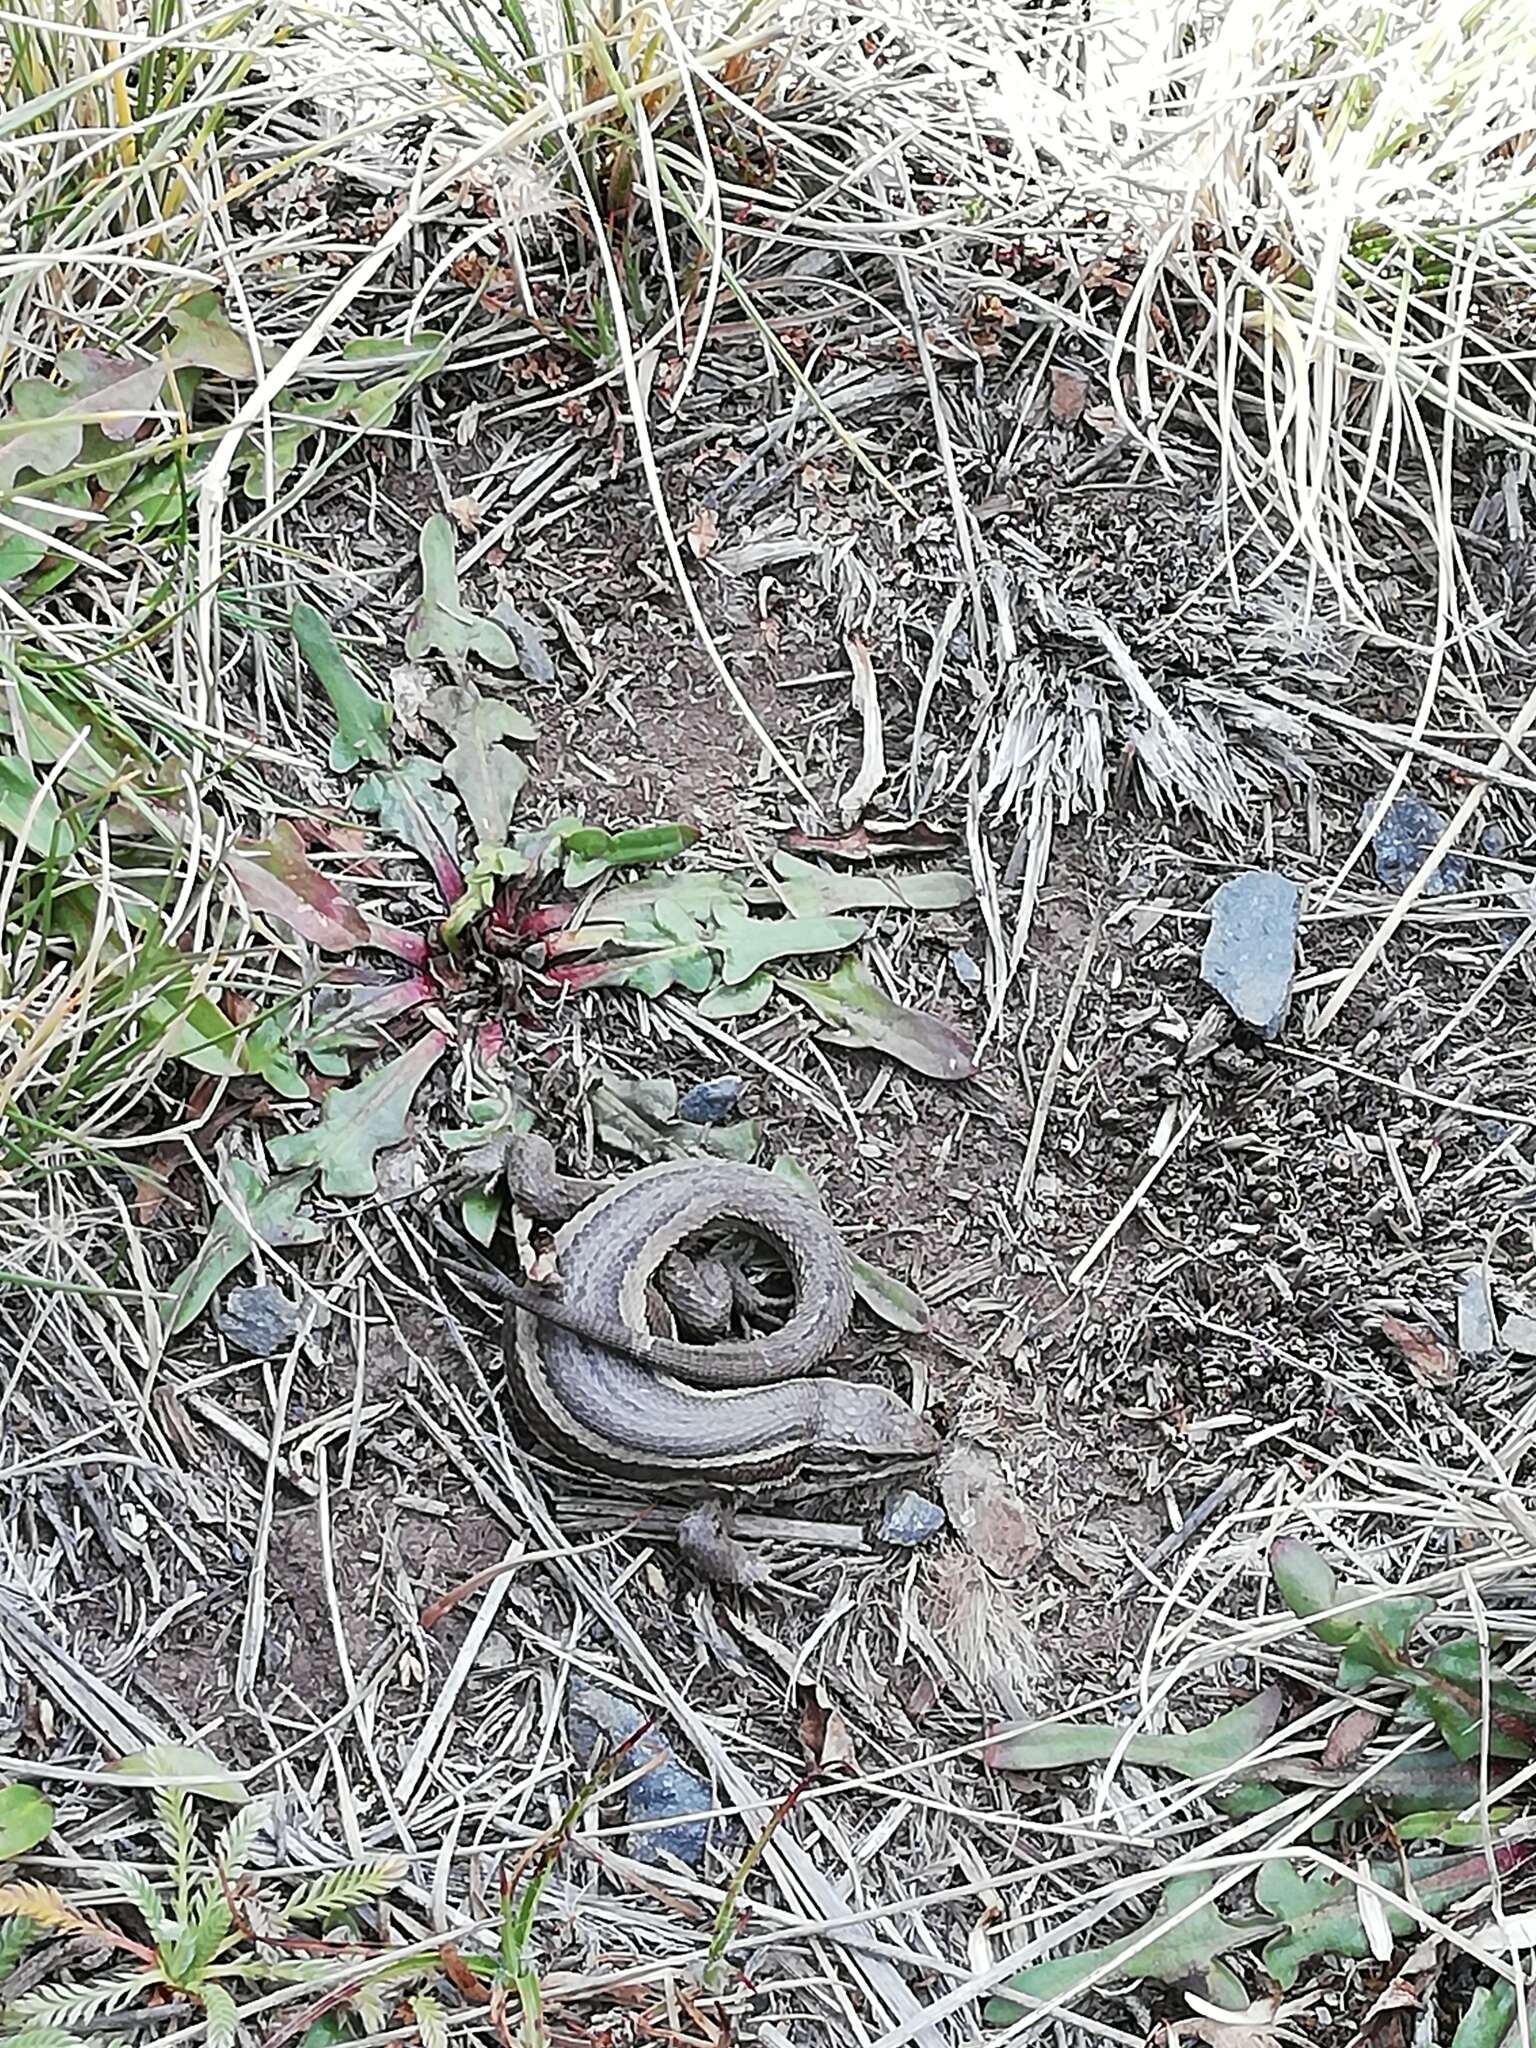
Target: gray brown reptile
<point>583,1368</point>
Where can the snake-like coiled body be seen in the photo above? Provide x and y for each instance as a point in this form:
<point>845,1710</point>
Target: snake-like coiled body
<point>589,1377</point>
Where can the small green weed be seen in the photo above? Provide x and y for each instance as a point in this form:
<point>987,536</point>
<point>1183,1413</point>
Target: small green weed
<point>1309,1903</point>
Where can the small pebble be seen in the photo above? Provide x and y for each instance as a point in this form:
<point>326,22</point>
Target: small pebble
<point>907,1520</point>
<point>261,1321</point>
<point>1404,840</point>
<point>1495,840</point>
<point>1474,1315</point>
<point>1250,952</point>
<point>599,1722</point>
<point>1518,1334</point>
<point>964,968</point>
<point>711,1102</point>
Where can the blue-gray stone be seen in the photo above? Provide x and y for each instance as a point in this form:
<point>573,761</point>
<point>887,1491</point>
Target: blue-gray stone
<point>600,1722</point>
<point>1403,841</point>
<point>1250,951</point>
<point>907,1520</point>
<point>711,1102</point>
<point>260,1321</point>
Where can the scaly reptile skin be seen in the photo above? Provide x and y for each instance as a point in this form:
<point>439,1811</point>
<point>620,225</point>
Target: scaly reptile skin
<point>583,1367</point>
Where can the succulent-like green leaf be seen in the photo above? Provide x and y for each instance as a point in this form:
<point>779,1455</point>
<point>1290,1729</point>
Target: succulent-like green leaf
<point>273,1211</point>
<point>26,1818</point>
<point>362,719</point>
<point>640,1118</point>
<point>357,1124</point>
<point>201,337</point>
<point>486,773</point>
<point>1321,1910</point>
<point>860,1013</point>
<point>892,1300</point>
<point>1219,1745</point>
<point>440,624</point>
<point>807,890</point>
<point>33,436</point>
<point>188,1769</point>
<point>1187,1956</point>
<point>748,944</point>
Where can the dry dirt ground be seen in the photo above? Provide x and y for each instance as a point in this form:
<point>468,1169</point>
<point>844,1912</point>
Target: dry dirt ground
<point>268,1603</point>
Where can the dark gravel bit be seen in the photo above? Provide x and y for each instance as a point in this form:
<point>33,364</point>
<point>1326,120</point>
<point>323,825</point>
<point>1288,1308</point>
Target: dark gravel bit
<point>711,1102</point>
<point>261,1321</point>
<point>600,1721</point>
<point>1250,952</point>
<point>1403,841</point>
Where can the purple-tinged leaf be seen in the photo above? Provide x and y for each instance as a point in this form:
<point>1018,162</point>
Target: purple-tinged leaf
<point>652,972</point>
<point>355,1017</point>
<point>410,807</point>
<point>115,393</point>
<point>411,947</point>
<point>279,879</point>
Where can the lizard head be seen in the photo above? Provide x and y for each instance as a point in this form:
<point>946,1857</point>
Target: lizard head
<point>871,1421</point>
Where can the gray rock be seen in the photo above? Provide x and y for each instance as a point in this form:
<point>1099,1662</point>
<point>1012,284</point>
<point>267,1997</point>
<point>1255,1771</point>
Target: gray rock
<point>1474,1315</point>
<point>1518,1334</point>
<point>1403,841</point>
<point>711,1102</point>
<point>907,1520</point>
<point>260,1321</point>
<point>1250,951</point>
<point>600,1721</point>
